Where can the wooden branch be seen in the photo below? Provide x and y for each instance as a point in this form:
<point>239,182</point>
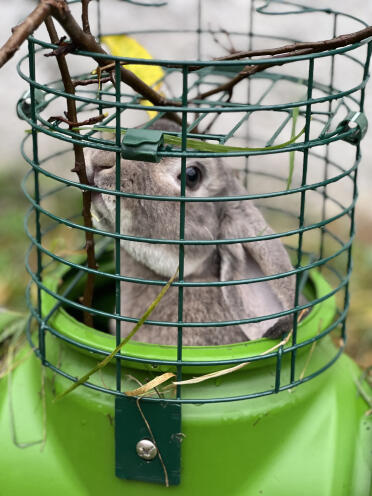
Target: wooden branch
<point>26,28</point>
<point>314,47</point>
<point>80,170</point>
<point>248,71</point>
<point>293,50</point>
<point>85,16</point>
<point>85,41</point>
<point>86,82</point>
<point>81,40</point>
<point>63,48</point>
<point>73,124</point>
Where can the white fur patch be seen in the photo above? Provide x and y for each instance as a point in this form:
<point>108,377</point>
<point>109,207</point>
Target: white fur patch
<point>155,257</point>
<point>160,259</point>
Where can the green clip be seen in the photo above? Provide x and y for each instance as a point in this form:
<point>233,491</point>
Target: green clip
<point>24,104</point>
<point>357,121</point>
<point>142,144</point>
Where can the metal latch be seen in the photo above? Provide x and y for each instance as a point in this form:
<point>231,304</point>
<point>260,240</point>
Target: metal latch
<point>356,121</point>
<point>142,144</point>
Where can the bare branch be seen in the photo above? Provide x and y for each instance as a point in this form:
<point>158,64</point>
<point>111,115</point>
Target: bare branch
<point>26,28</point>
<point>73,124</point>
<point>80,171</point>
<point>248,71</point>
<point>295,49</point>
<point>85,16</point>
<point>81,40</point>
<point>313,47</point>
<point>86,82</point>
<point>231,48</point>
<point>64,47</point>
<point>85,41</point>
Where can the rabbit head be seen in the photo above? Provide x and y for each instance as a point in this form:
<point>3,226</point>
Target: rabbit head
<point>204,221</point>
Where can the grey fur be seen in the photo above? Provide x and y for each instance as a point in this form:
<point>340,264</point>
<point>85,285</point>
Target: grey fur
<point>204,221</point>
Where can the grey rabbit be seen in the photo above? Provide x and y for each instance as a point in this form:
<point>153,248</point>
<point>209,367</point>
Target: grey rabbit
<point>206,177</point>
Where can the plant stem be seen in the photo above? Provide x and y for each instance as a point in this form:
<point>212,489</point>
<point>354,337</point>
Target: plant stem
<point>82,174</point>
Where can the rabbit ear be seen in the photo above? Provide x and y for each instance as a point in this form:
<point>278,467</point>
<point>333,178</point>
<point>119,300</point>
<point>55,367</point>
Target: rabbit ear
<point>251,260</point>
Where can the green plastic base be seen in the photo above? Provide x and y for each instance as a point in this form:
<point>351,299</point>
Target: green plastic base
<point>313,440</point>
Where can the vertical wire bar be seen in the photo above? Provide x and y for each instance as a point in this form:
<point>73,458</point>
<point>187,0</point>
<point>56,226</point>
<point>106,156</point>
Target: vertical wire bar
<point>99,34</point>
<point>249,89</point>
<point>365,75</point>
<point>302,214</point>
<point>279,357</point>
<point>326,157</point>
<point>182,226</point>
<point>35,151</point>
<point>117,222</point>
<point>197,117</point>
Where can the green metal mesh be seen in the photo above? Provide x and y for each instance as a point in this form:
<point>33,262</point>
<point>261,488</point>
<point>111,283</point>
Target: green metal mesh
<point>312,212</point>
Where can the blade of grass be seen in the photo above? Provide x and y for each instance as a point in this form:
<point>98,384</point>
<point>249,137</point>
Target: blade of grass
<point>15,327</point>
<point>203,146</point>
<point>212,147</point>
<point>106,360</point>
<point>295,114</point>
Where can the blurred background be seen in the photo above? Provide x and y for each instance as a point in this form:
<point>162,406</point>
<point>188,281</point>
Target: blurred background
<point>228,15</point>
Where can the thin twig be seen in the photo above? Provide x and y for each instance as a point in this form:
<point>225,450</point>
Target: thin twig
<point>85,41</point>
<point>247,72</point>
<point>166,479</point>
<point>314,46</point>
<point>21,32</point>
<point>63,48</point>
<point>80,170</point>
<point>86,82</point>
<point>296,49</point>
<point>72,124</point>
<point>81,40</point>
<point>230,50</point>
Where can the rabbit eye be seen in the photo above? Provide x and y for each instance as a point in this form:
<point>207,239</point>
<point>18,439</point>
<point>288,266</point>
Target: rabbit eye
<point>193,176</point>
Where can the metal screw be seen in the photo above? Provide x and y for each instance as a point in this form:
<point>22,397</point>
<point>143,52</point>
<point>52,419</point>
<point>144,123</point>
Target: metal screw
<point>146,449</point>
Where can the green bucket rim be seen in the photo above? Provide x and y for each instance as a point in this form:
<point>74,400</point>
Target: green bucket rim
<point>89,339</point>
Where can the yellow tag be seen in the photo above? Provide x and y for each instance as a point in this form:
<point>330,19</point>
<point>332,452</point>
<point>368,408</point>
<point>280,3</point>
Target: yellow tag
<point>125,46</point>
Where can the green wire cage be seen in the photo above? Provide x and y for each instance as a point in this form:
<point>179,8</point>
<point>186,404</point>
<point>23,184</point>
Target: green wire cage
<point>291,134</point>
